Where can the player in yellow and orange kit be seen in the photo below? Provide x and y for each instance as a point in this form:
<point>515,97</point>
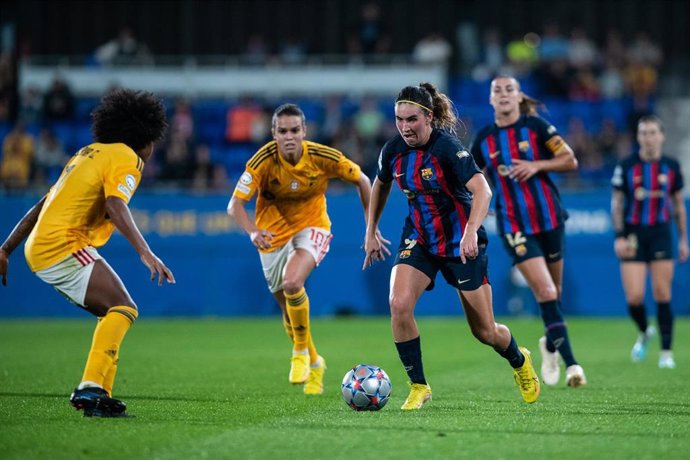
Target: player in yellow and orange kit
<point>292,230</point>
<point>79,214</point>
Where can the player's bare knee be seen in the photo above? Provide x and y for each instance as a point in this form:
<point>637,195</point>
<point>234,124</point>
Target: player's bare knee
<point>401,307</point>
<point>635,298</point>
<point>546,293</point>
<point>291,286</point>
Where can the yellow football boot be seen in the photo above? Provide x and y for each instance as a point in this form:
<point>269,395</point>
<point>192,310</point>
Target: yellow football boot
<point>526,378</point>
<point>299,368</point>
<point>419,395</point>
<point>314,383</point>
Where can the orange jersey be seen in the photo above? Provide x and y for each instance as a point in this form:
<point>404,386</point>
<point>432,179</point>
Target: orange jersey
<point>291,198</point>
<point>73,215</point>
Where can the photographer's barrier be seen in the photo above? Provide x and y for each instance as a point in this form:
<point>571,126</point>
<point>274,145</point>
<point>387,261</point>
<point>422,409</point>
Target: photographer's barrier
<point>218,270</point>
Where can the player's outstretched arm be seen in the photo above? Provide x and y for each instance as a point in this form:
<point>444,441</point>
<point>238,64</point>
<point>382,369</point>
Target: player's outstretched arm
<point>121,217</point>
<point>260,238</point>
<point>17,235</point>
<point>680,216</point>
<point>364,190</point>
<point>373,245</point>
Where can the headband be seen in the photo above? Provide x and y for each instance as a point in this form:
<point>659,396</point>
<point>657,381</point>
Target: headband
<point>415,103</point>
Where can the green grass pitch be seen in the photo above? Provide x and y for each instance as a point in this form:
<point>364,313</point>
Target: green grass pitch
<point>217,388</point>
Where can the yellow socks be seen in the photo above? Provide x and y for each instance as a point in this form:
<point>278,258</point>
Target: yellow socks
<point>101,364</point>
<point>313,355</point>
<point>288,329</point>
<point>298,311</point>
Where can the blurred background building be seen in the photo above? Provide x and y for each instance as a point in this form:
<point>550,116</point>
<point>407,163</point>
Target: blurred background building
<point>223,66</point>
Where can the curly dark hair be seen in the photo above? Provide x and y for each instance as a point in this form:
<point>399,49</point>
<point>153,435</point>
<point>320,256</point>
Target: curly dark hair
<point>135,118</point>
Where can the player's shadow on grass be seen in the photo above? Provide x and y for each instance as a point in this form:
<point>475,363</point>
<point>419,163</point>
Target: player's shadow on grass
<point>126,397</point>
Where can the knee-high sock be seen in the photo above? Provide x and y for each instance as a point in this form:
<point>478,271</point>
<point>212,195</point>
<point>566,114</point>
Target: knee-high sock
<point>512,354</point>
<point>110,376</point>
<point>556,330</point>
<point>313,356</point>
<point>639,314</point>
<point>288,329</point>
<point>665,319</point>
<point>106,342</point>
<point>410,353</point>
<point>298,311</point>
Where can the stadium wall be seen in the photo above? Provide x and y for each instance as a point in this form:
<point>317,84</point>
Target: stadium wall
<point>218,271</point>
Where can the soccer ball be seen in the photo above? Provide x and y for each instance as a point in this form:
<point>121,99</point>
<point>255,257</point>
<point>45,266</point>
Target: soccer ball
<point>366,387</point>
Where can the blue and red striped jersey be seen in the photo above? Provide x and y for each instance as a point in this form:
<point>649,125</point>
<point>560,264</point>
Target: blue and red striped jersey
<point>648,187</point>
<point>533,206</point>
<point>433,179</point>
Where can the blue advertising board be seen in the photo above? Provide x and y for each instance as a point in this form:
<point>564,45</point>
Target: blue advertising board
<point>218,270</point>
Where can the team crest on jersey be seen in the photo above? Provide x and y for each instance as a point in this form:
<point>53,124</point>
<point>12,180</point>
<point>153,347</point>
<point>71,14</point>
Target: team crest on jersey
<point>427,174</point>
<point>405,253</point>
<point>463,154</point>
<point>663,178</point>
<point>520,250</point>
<point>523,146</point>
<point>294,185</point>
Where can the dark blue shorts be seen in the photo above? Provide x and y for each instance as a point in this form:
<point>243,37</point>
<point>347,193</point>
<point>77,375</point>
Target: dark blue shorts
<point>549,245</point>
<point>653,242</point>
<point>464,277</point>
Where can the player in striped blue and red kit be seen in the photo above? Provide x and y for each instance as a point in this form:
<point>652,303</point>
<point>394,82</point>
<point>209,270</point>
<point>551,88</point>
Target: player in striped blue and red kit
<point>517,152</point>
<point>647,193</point>
<point>448,198</point>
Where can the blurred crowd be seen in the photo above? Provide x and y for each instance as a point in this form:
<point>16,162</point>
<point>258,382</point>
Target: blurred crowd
<point>592,92</point>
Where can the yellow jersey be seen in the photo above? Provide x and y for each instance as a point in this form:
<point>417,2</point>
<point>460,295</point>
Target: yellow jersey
<point>73,215</point>
<point>292,197</point>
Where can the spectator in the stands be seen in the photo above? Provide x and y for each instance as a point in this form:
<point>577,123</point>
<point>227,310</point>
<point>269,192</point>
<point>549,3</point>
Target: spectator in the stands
<point>17,156</point>
<point>369,36</point>
<point>124,49</point>
<point>432,49</point>
<point>49,159</point>
<point>58,102</point>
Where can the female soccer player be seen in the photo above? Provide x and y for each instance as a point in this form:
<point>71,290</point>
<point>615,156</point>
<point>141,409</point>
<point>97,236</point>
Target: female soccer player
<point>292,230</point>
<point>647,192</point>
<point>448,199</point>
<point>79,214</point>
<point>518,151</point>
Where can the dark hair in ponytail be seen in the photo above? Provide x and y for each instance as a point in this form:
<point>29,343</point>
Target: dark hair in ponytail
<point>432,100</point>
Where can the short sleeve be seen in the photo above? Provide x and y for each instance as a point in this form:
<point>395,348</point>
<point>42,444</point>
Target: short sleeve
<point>461,162</point>
<point>247,184</point>
<point>618,179</point>
<point>344,169</point>
<point>678,182</point>
<point>383,170</point>
<point>122,177</point>
<point>476,150</point>
<point>548,134</point>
